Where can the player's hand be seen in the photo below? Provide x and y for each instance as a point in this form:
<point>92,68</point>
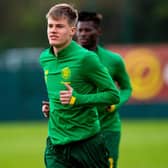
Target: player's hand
<point>65,95</point>
<point>45,109</point>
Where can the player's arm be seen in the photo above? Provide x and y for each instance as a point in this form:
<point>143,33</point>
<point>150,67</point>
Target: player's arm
<point>97,75</point>
<point>45,109</point>
<point>123,81</point>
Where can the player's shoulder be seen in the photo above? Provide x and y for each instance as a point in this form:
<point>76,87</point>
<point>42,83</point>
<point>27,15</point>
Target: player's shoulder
<point>85,53</point>
<point>80,51</point>
<point>45,56</point>
<point>109,53</point>
<point>44,53</point>
<point>89,57</point>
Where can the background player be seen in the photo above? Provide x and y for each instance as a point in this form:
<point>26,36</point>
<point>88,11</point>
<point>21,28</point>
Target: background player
<point>88,33</point>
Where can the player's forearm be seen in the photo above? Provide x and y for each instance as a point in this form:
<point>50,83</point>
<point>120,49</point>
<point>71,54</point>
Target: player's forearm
<point>104,98</point>
<point>124,97</point>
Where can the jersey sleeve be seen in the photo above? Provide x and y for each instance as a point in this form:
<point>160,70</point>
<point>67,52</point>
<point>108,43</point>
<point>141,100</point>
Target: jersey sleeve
<point>98,75</point>
<point>123,82</point>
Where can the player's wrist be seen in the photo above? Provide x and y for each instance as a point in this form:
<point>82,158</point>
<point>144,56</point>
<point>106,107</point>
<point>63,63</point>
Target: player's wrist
<point>111,108</point>
<point>72,100</point>
<point>45,103</point>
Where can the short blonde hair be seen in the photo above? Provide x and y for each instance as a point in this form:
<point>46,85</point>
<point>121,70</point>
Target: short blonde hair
<point>64,10</point>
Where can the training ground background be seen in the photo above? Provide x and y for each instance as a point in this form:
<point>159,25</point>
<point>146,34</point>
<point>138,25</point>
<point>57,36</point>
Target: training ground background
<point>144,144</point>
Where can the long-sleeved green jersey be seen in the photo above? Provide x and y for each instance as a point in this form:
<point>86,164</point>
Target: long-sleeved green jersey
<point>82,70</point>
<point>116,68</point>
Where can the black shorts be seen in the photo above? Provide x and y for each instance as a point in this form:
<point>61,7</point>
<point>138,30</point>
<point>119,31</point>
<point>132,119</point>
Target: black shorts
<point>112,140</point>
<point>88,153</point>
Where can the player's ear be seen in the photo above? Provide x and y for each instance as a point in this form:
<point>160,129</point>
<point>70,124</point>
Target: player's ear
<point>73,31</point>
<point>99,31</point>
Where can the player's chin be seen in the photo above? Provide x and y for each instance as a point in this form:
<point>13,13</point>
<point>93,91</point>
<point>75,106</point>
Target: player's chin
<point>53,43</point>
<point>83,43</point>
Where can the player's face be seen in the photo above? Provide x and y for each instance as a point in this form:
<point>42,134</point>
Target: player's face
<point>87,34</point>
<point>59,32</point>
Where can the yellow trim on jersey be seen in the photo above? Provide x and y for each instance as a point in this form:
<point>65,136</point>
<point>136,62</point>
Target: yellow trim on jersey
<point>111,162</point>
<point>111,108</point>
<point>72,100</point>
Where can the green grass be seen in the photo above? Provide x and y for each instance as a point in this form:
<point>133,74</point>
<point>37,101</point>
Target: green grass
<point>22,145</point>
<point>144,144</point>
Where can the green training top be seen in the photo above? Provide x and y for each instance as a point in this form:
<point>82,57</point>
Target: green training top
<point>83,71</point>
<point>116,67</point>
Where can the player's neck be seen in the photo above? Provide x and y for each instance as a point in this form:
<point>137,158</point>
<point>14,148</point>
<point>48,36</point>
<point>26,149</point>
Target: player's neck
<point>56,49</point>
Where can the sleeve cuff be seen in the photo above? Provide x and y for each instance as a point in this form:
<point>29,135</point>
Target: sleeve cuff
<point>111,108</point>
<point>72,100</point>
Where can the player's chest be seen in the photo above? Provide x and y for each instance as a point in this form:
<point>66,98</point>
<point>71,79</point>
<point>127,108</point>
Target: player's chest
<point>62,71</point>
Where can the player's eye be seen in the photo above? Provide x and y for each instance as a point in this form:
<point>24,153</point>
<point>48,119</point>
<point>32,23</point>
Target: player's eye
<point>60,26</point>
<point>50,25</point>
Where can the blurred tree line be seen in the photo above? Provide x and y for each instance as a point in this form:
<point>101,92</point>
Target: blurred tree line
<point>23,22</point>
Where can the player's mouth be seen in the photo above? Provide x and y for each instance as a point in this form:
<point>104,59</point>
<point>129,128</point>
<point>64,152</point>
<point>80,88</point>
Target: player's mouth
<point>53,37</point>
<point>83,41</point>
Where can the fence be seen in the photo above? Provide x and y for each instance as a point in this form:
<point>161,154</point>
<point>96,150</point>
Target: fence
<point>23,89</point>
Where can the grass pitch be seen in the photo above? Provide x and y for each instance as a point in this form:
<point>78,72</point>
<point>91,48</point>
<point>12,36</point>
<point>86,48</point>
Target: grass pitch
<point>144,144</point>
<point>22,145</point>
